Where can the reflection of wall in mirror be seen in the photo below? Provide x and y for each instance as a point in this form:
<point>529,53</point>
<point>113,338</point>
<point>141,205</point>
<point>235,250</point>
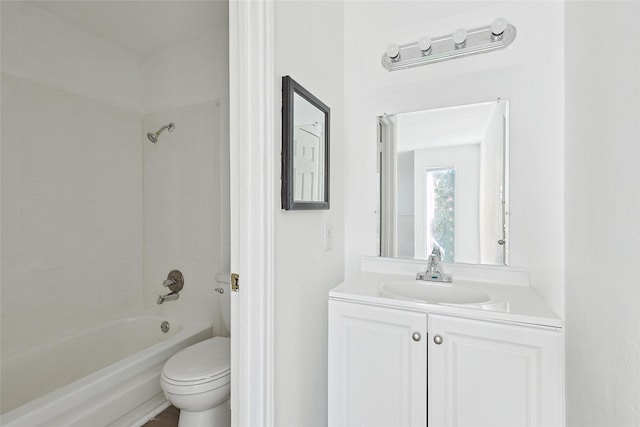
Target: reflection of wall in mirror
<point>405,228</point>
<point>308,152</point>
<point>491,215</point>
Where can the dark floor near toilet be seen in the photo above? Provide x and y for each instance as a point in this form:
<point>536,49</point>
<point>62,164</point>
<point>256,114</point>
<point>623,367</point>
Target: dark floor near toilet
<point>166,418</point>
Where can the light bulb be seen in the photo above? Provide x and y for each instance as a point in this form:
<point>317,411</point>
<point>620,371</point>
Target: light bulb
<point>424,43</point>
<point>460,37</point>
<point>498,27</point>
<point>393,52</point>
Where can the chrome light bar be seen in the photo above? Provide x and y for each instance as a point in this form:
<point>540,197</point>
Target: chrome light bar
<point>461,43</point>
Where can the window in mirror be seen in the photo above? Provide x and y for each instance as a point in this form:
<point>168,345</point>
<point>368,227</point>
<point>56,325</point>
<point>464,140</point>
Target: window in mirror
<point>440,214</point>
<point>443,182</point>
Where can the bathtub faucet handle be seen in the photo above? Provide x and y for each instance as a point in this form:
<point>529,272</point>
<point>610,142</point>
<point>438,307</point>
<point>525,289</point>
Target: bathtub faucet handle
<point>175,282</point>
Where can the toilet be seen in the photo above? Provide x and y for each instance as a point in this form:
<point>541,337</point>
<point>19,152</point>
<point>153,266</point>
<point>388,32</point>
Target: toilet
<point>197,379</point>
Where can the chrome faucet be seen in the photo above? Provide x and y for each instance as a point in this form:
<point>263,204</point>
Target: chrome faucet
<point>434,271</point>
<point>168,297</point>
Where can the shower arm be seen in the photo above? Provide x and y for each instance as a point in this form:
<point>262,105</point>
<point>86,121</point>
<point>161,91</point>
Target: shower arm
<point>170,127</point>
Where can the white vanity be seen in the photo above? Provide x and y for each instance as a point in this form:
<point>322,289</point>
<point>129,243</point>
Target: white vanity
<point>484,353</point>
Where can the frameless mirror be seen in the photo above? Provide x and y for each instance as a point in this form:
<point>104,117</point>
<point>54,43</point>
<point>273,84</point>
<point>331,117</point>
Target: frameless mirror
<point>444,183</point>
<point>305,149</point>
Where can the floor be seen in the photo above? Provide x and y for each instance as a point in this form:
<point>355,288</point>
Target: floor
<point>166,418</point>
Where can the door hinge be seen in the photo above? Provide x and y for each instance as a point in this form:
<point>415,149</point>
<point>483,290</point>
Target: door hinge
<point>235,282</point>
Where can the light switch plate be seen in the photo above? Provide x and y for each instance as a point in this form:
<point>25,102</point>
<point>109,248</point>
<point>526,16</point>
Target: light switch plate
<point>328,237</point>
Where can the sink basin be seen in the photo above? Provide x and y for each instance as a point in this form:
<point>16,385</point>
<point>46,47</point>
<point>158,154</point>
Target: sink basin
<point>435,293</point>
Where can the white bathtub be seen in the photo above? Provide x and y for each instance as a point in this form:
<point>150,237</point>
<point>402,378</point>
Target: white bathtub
<point>106,376</point>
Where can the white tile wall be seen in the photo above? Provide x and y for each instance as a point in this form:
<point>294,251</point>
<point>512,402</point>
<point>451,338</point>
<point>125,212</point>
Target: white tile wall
<point>73,174</point>
<point>186,207</point>
<point>71,212</point>
<point>186,174</point>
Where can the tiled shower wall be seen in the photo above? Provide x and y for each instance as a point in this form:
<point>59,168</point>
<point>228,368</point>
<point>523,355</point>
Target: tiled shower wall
<point>184,210</point>
<point>71,178</point>
<point>71,212</point>
<point>186,175</point>
<point>74,224</point>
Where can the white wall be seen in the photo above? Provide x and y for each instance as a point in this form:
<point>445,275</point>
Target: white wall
<point>529,73</point>
<point>602,232</point>
<point>308,47</point>
<point>42,48</point>
<point>189,74</point>
<point>71,179</point>
<point>406,205</point>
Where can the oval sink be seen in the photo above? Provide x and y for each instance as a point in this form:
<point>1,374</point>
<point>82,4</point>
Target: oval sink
<point>435,293</point>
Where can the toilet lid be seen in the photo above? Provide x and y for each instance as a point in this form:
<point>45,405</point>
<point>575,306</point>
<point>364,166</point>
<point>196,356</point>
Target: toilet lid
<point>206,360</point>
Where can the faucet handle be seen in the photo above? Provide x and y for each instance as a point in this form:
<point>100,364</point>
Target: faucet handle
<point>175,281</point>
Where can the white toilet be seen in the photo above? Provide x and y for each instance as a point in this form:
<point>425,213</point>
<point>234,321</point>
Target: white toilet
<point>197,379</point>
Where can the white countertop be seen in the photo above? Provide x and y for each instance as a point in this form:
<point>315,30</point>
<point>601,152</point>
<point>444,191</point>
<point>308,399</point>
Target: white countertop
<point>508,303</point>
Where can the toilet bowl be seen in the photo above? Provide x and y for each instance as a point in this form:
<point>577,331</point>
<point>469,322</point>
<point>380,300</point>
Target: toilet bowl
<point>197,379</point>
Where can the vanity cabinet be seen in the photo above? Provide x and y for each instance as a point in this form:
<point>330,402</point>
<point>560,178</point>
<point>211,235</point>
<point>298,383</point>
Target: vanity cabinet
<point>377,366</point>
<point>479,373</point>
<point>493,374</point>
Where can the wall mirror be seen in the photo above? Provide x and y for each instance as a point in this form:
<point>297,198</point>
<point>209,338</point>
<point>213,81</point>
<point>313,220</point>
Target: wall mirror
<point>305,149</point>
<point>444,180</point>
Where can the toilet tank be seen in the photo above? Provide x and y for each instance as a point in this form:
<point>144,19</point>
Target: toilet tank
<point>224,299</point>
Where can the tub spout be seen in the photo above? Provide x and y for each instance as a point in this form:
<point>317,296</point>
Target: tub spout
<point>168,297</point>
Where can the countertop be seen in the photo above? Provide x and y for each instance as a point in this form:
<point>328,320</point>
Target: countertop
<point>508,303</point>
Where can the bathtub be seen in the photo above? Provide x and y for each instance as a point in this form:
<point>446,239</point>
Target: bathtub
<point>105,376</point>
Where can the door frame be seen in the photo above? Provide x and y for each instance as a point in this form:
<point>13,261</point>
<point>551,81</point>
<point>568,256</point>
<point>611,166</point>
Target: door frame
<point>252,204</point>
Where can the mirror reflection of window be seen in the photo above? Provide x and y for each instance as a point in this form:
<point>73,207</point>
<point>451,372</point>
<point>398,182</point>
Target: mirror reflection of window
<point>440,212</point>
<point>443,177</point>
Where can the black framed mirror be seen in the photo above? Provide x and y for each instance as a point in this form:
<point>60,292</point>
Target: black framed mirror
<point>305,149</point>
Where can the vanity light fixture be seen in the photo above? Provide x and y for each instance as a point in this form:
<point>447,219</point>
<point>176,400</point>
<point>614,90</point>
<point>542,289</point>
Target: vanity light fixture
<point>462,42</point>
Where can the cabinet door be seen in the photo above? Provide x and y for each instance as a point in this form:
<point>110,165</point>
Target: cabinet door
<point>491,374</point>
<point>377,366</point>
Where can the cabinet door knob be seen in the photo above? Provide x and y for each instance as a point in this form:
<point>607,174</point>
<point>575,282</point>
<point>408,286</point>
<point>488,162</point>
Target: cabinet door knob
<point>437,339</point>
<point>416,336</point>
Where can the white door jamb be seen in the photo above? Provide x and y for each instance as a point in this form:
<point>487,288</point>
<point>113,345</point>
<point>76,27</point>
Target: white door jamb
<point>252,195</point>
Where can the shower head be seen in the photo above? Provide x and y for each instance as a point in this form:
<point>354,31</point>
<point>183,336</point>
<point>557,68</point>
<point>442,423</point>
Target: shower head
<point>153,136</point>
